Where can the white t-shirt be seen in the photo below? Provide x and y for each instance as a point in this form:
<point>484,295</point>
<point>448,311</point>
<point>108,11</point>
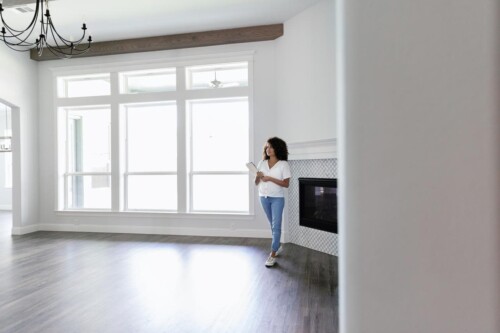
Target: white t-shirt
<point>281,170</point>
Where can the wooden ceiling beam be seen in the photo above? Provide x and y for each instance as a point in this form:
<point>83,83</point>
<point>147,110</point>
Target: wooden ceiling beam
<point>180,41</point>
<point>17,3</point>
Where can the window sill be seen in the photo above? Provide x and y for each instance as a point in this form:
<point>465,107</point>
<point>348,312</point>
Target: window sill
<point>162,215</point>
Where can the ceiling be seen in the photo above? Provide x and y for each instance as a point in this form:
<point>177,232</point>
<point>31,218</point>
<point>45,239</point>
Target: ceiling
<point>123,19</point>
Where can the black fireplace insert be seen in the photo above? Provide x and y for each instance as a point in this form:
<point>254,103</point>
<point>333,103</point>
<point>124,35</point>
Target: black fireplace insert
<point>318,203</point>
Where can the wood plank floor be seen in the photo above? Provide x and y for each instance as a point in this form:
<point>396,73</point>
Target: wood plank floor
<point>89,282</point>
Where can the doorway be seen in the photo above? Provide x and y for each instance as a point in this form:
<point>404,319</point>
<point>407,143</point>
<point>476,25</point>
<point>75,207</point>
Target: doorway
<point>6,177</point>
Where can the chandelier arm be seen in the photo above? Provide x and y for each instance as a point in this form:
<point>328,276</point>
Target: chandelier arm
<point>71,49</point>
<point>32,23</point>
<point>63,53</point>
<point>19,41</point>
<point>15,40</point>
<point>66,50</point>
<point>59,48</point>
<point>17,33</point>
<point>8,27</point>
<point>48,37</point>
<point>80,49</point>
<point>19,44</point>
<point>58,52</point>
<point>67,42</point>
<point>83,50</point>
<point>12,47</point>
<point>54,35</point>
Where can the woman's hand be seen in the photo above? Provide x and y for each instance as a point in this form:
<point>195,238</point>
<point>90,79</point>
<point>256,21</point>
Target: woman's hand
<point>265,178</point>
<point>258,177</point>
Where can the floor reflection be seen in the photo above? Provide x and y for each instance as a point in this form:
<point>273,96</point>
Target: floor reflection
<point>191,285</point>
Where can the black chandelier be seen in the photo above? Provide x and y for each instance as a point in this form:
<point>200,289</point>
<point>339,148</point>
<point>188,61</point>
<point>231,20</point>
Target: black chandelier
<point>48,38</point>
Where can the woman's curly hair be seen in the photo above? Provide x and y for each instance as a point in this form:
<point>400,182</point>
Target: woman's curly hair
<point>280,149</point>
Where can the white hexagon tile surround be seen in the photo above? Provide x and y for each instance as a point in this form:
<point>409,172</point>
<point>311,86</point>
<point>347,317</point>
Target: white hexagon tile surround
<point>319,240</point>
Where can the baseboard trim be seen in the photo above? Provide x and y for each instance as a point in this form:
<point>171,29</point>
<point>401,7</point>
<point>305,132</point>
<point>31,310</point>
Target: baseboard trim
<point>25,230</point>
<point>248,233</point>
<point>245,233</point>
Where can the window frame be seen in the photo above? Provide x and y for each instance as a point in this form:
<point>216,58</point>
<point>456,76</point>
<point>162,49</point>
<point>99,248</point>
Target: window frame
<point>66,174</point>
<point>190,150</point>
<point>212,67</point>
<point>65,79</point>
<point>125,75</point>
<point>126,173</point>
<point>180,96</point>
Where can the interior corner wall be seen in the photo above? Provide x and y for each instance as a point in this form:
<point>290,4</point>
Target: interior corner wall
<point>305,72</point>
<point>18,89</point>
<point>420,163</point>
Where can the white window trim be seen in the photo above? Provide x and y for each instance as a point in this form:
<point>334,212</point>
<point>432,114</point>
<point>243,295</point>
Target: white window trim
<point>190,151</point>
<point>181,95</point>
<point>123,78</point>
<point>75,78</point>
<point>64,173</point>
<point>126,173</point>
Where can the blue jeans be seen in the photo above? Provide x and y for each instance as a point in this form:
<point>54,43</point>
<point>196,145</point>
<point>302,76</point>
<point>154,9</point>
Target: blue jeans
<point>273,207</point>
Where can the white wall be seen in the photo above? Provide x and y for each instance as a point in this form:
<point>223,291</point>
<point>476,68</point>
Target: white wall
<point>264,123</point>
<point>305,92</point>
<point>420,166</point>
<point>305,72</point>
<point>18,89</point>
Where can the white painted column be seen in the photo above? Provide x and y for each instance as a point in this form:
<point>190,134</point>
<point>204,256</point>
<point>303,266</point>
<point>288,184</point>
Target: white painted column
<point>419,155</point>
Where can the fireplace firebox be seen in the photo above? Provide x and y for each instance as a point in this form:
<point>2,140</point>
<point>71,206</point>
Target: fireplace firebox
<point>318,203</point>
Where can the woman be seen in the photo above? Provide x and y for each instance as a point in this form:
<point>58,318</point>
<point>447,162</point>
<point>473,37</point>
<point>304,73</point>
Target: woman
<point>273,177</point>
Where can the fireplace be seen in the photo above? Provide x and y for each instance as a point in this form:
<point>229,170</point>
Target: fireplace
<point>318,203</point>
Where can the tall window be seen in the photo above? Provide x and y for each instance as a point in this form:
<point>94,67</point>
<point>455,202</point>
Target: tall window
<point>165,139</point>
<point>218,130</point>
<point>151,156</point>
<point>88,174</point>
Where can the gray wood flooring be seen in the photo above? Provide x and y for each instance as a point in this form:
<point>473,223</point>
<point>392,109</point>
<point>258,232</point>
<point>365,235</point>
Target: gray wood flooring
<point>89,282</point>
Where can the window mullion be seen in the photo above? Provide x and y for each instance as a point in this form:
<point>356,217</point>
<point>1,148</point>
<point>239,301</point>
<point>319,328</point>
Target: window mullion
<point>182,183</point>
<point>66,197</point>
<point>151,173</point>
<point>251,135</point>
<point>115,144</point>
<point>88,174</point>
<point>219,173</point>
<point>66,167</point>
<point>125,156</point>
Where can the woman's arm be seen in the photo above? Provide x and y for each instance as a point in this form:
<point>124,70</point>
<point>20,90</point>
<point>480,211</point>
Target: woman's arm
<point>283,183</point>
<point>258,177</point>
